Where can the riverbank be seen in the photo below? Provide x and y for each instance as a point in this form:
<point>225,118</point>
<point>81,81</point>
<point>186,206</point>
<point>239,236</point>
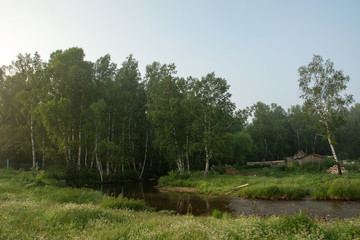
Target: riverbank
<point>270,184</point>
<point>33,207</point>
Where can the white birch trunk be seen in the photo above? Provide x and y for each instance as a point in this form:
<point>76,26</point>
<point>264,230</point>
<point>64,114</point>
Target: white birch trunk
<point>334,154</point>
<point>32,141</point>
<point>143,166</point>
<point>79,152</point>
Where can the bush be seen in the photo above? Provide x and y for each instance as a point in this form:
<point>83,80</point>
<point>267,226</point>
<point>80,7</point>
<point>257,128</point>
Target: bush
<point>310,167</point>
<point>217,214</point>
<point>175,174</point>
<point>31,178</point>
<point>353,168</point>
<point>327,163</point>
<point>295,223</point>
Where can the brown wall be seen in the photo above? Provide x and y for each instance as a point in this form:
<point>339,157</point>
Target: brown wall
<point>311,158</point>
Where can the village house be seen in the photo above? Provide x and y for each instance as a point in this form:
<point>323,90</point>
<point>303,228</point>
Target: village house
<point>302,157</point>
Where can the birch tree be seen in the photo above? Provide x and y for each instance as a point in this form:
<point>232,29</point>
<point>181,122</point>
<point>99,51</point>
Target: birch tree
<point>322,89</point>
<point>214,109</point>
<point>30,70</point>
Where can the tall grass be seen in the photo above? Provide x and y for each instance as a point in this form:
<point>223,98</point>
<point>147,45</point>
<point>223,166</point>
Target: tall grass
<point>40,211</point>
<point>124,203</point>
<point>270,183</point>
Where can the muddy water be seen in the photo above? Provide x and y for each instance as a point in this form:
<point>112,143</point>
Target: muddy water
<point>199,204</point>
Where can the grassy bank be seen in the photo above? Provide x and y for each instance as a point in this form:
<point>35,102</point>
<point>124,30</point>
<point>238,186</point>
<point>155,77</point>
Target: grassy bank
<point>33,207</point>
<point>272,184</point>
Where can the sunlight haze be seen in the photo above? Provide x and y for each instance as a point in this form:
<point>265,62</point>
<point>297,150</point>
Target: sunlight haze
<point>257,46</point>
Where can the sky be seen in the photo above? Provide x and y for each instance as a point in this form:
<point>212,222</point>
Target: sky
<point>257,46</point>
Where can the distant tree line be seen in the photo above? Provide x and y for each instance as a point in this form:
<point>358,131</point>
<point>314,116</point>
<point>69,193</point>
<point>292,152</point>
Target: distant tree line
<point>100,117</point>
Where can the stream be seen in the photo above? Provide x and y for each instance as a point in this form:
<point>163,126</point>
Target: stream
<point>201,204</point>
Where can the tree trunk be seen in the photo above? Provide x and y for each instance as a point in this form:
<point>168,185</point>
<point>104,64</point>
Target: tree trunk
<point>334,153</point>
<point>207,161</point>
<point>187,153</point>
<point>43,154</point>
<point>32,141</point>
<point>79,151</point>
<point>143,167</point>
<point>86,155</point>
<point>98,162</point>
<point>297,138</point>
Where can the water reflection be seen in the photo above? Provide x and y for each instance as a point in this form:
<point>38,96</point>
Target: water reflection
<point>199,204</point>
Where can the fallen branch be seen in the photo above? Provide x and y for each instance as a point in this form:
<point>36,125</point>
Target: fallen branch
<point>245,185</point>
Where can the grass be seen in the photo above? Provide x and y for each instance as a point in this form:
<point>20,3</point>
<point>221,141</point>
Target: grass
<point>268,183</point>
<point>31,208</point>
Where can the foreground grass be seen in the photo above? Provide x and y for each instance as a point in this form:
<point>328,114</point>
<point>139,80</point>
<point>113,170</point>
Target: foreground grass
<point>265,184</point>
<point>31,209</point>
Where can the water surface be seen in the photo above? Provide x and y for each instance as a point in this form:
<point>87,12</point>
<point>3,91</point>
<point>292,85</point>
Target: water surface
<point>201,204</point>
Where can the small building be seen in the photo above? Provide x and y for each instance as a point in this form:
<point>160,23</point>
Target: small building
<point>312,158</point>
<point>299,154</point>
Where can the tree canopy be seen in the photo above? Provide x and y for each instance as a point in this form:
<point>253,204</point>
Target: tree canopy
<point>105,120</point>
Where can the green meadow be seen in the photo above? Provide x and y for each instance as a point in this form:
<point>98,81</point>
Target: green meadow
<point>35,206</point>
<point>293,182</point>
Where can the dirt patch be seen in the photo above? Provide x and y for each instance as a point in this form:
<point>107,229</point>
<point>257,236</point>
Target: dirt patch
<point>177,189</point>
<point>231,171</point>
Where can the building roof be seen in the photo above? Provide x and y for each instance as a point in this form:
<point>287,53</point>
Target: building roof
<point>299,154</point>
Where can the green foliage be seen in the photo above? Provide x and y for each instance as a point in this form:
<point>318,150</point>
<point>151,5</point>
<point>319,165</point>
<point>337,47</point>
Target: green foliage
<point>220,169</point>
<point>217,214</point>
<point>175,174</point>
<point>344,189</point>
<point>328,162</point>
<point>300,221</point>
<point>88,120</point>
<point>174,182</point>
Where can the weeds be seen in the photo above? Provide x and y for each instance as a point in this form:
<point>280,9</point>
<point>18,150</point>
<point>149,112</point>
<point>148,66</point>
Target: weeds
<point>124,203</point>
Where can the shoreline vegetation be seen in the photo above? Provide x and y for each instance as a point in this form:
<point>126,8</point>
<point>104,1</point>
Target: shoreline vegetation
<point>35,206</point>
<point>270,183</point>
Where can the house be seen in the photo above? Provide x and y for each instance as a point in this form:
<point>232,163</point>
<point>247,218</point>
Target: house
<point>316,158</point>
<point>299,154</point>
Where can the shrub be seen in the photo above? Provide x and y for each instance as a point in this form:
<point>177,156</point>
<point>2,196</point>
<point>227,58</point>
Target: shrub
<point>327,163</point>
<point>295,223</point>
<point>220,169</point>
<point>175,174</point>
<point>31,178</point>
<point>310,167</point>
<point>353,168</point>
<point>217,214</point>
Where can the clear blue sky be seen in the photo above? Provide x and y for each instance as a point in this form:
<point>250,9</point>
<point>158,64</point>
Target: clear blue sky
<point>256,45</point>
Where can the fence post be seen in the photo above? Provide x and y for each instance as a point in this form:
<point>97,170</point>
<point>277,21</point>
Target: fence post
<point>7,163</point>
